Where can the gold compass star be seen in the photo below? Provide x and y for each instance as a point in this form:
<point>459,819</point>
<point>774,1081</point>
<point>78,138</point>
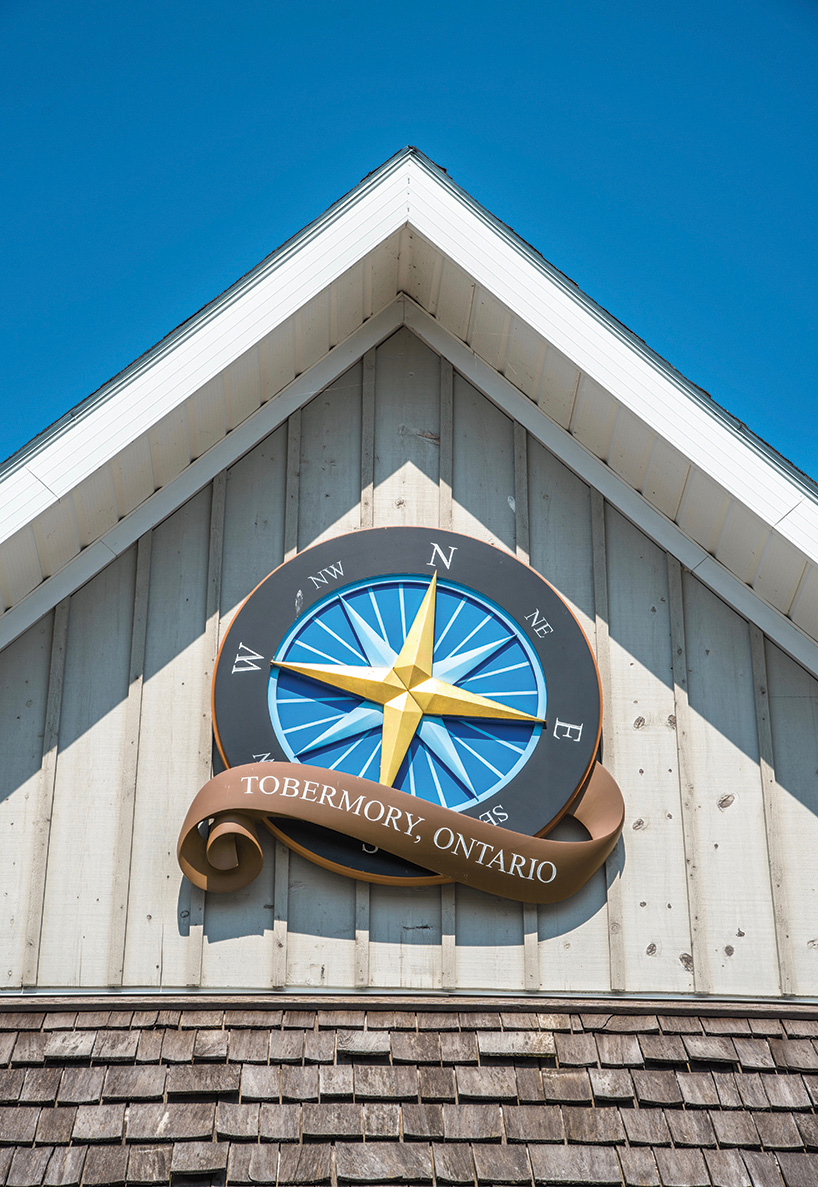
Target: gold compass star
<point>408,690</point>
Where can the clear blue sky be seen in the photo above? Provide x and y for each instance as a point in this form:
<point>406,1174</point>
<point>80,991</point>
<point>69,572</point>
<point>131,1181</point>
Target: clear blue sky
<point>663,156</point>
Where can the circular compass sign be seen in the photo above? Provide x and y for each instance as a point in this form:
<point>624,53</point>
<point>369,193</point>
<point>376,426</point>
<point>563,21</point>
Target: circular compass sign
<point>420,659</point>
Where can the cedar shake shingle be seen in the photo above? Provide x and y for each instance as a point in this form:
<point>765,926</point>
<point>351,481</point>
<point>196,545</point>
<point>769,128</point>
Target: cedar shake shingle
<point>494,1083</point>
<point>41,1085</point>
<point>7,1042</point>
<point>55,1125</point>
<point>28,1166</point>
<point>751,1091</point>
<point>247,1046</point>
<point>149,1164</point>
<point>201,1019</point>
<point>238,1122</point>
<point>390,1083</point>
<point>646,1127</point>
<point>150,1046</point>
<point>335,1082</point>
<point>391,1020</point>
<point>638,1168</point>
<point>116,1046</point>
<point>437,1083</point>
<point>734,1128</point>
<point>657,1087</point>
<point>754,1054</point>
<point>600,1125</point>
<point>529,1085</point>
<point>574,1164</point>
<point>519,1021</point>
<point>658,1048</point>
<point>99,1123</point>
<point>280,1123</point>
<point>501,1164</point>
<point>286,1046</point>
<point>726,1087</point>
<point>253,1019</point>
<point>453,1163</point>
<point>304,1164</point>
<point>576,1050</point>
<point>422,1121</point>
<point>105,1166</point>
<point>362,1042</point>
<point>726,1026</point>
<point>727,1168</point>
<point>177,1046</point>
<point>777,1131</point>
<point>565,1087</point>
<point>21,1020</point>
<point>682,1024</point>
<point>698,1090</point>
<point>763,1169</point>
<point>203,1079</point>
<point>260,1083</point>
<point>18,1125</point>
<point>690,1128</point>
<point>611,1085</point>
<point>710,1049</point>
<point>459,1048</point>
<point>619,1050</point>
<point>382,1120</point>
<point>170,1122</point>
<point>65,1167</point>
<point>415,1048</point>
<point>135,1083</point>
<point>211,1045</point>
<point>70,1044</point>
<point>383,1162</point>
<point>299,1083</point>
<point>786,1092</point>
<point>11,1084</point>
<point>633,1023</point>
<point>796,1055</point>
<point>799,1170</point>
<point>808,1127</point>
<point>520,1044</point>
<point>29,1049</point>
<point>332,1121</point>
<point>298,1019</point>
<point>192,1158</point>
<point>472,1123</point>
<point>533,1123</point>
<point>80,1085</point>
<point>319,1046</point>
<point>681,1168</point>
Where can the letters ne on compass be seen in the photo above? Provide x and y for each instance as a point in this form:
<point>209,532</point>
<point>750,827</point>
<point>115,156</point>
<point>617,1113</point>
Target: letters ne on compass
<point>407,690</point>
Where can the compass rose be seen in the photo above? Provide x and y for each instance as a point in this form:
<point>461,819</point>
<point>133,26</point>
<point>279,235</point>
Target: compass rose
<point>407,690</point>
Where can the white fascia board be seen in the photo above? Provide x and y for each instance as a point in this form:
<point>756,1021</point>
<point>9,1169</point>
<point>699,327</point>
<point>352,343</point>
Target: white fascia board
<point>202,348</point>
<point>605,351</point>
<point>164,502</point>
<point>618,493</point>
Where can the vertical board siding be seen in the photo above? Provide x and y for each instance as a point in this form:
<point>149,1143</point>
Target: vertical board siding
<point>572,935</point>
<point>653,880</point>
<point>83,851</point>
<point>329,490</point>
<point>793,696</point>
<point>163,937</point>
<point>24,799</point>
<point>316,923</point>
<point>400,438</point>
<point>734,945</point>
<point>238,928</point>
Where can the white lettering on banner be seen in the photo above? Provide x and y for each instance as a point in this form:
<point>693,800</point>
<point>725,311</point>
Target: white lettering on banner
<point>572,732</point>
<point>438,551</point>
<point>495,815</point>
<point>540,626</point>
<point>335,571</point>
<point>375,811</point>
<point>262,757</point>
<point>244,662</point>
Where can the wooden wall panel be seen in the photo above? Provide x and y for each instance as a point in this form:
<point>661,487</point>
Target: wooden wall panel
<point>734,947</point>
<point>793,826</point>
<point>164,930</point>
<point>25,794</point>
<point>81,904</point>
<point>401,439</point>
<point>238,928</point>
<point>572,936</point>
<point>640,751</point>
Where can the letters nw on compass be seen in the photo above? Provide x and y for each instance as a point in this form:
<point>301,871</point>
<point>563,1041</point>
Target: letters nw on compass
<point>407,690</point>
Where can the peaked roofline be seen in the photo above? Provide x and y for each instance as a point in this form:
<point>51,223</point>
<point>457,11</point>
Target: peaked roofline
<point>65,509</point>
<point>514,240</point>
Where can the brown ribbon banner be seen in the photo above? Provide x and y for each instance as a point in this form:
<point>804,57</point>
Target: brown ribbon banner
<point>467,850</point>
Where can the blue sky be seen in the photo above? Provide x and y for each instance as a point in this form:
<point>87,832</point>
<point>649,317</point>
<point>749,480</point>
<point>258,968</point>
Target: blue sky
<point>662,156</point>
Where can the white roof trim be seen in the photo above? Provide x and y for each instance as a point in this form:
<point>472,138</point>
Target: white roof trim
<point>408,190</point>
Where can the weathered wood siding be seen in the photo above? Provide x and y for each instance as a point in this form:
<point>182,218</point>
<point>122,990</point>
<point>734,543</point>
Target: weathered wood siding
<point>711,731</point>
